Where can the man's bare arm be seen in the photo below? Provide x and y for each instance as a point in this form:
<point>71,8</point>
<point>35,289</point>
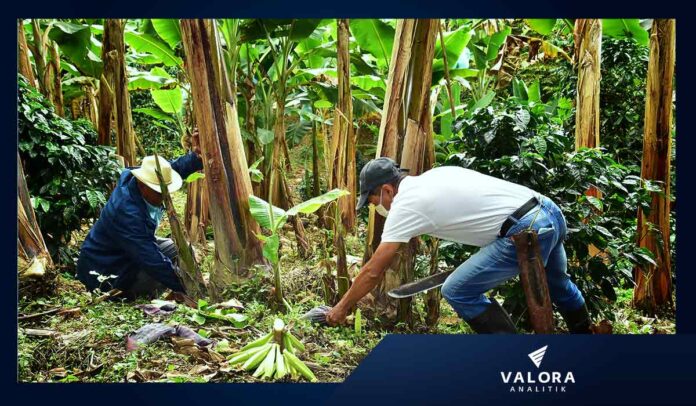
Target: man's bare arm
<point>370,275</point>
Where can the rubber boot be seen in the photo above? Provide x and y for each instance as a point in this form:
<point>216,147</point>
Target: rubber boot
<point>494,320</point>
<point>578,321</point>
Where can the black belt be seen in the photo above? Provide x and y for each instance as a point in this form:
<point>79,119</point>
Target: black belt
<point>518,214</point>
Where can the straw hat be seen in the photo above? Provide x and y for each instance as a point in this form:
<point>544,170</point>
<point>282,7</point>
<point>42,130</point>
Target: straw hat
<point>146,174</point>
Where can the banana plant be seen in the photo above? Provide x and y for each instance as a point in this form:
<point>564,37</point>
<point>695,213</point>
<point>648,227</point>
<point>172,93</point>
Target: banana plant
<point>273,355</point>
<point>273,218</point>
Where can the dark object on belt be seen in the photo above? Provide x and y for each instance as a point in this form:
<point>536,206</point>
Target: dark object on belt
<point>518,214</point>
<point>534,283</point>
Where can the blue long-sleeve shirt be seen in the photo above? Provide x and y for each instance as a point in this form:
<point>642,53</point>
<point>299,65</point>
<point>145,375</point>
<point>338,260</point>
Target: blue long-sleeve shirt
<point>122,241</point>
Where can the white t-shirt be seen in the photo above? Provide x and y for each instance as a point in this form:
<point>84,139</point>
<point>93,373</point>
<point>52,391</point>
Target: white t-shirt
<point>454,204</point>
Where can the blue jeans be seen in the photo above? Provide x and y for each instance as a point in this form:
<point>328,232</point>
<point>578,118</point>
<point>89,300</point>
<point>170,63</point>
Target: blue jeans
<point>497,262</point>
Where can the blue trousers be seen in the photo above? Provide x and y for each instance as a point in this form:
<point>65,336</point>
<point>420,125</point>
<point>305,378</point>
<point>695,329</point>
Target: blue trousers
<point>497,262</point>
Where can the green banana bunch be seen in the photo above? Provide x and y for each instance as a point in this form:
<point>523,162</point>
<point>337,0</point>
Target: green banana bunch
<point>273,355</point>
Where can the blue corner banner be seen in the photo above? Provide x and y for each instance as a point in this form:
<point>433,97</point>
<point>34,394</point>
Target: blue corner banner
<point>529,369</point>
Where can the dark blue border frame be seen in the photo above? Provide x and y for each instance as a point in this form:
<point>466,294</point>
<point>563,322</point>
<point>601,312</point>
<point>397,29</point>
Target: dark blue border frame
<point>667,361</point>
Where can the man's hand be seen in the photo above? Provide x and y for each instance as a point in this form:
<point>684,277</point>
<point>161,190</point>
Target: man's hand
<point>370,275</point>
<point>336,316</point>
<point>195,142</point>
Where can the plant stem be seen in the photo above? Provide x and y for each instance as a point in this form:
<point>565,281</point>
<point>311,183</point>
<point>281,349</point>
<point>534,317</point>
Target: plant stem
<point>447,77</point>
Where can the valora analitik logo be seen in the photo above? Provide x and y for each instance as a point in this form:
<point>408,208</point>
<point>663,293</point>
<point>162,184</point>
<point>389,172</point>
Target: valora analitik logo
<point>538,381</point>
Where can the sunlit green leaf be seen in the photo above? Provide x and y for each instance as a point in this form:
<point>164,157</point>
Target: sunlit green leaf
<point>313,204</point>
<point>597,203</point>
<point>534,92</point>
<point>168,29</point>
<point>260,211</point>
<point>154,46</point>
<point>74,43</point>
<point>455,44</point>
<point>270,248</point>
<point>239,320</point>
<point>255,174</point>
<point>374,36</point>
<point>543,26</point>
<point>323,104</point>
<point>365,82</point>
<point>169,100</point>
<point>265,136</point>
<point>198,319</point>
<point>495,41</point>
<point>155,113</point>
<point>604,231</point>
<point>194,177</point>
<point>625,28</point>
<point>154,79</point>
<point>484,101</point>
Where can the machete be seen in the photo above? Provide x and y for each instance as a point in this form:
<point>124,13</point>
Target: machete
<point>421,285</point>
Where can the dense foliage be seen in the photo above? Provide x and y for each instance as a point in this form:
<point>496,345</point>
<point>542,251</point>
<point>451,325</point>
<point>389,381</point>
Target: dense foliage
<point>529,139</point>
<point>69,177</point>
<point>622,101</point>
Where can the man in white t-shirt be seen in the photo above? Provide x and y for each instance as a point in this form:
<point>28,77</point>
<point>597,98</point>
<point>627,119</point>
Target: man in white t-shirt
<point>471,208</point>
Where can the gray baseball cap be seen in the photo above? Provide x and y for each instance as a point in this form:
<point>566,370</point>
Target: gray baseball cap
<point>376,173</point>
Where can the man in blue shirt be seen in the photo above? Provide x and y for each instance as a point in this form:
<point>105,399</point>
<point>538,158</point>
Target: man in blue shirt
<point>121,250</point>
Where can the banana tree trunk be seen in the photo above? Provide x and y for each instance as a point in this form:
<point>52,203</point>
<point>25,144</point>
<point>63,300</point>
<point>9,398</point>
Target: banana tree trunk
<point>588,57</point>
<point>279,189</point>
<point>55,78</point>
<point>342,168</point>
<point>406,111</point>
<point>47,63</point>
<point>248,90</point>
<point>91,105</point>
<point>39,50</point>
<point>654,283</point>
<point>23,55</point>
<point>114,98</point>
<point>433,297</point>
<point>316,187</point>
<point>106,104</point>
<point>237,248</point>
<point>588,51</point>
<point>250,125</point>
<point>388,140</point>
<point>282,190</point>
<point>32,254</point>
<point>197,211</point>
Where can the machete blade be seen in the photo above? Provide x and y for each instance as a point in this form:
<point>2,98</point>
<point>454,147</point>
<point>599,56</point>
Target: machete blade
<point>421,285</point>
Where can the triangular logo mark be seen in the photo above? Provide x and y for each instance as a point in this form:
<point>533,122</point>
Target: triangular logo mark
<point>538,355</point>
